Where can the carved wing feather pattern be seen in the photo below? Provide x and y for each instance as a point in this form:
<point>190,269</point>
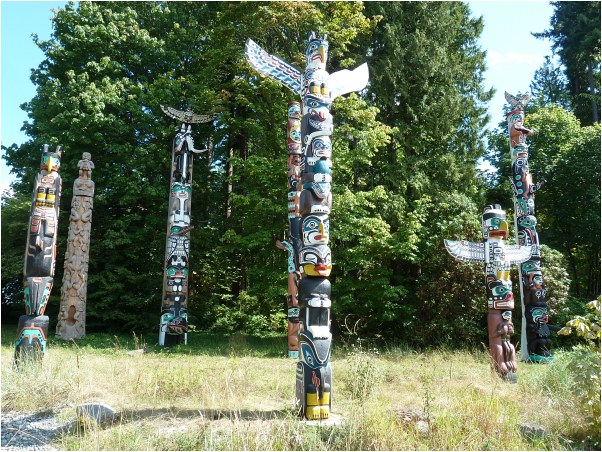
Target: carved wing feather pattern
<point>187,117</point>
<point>272,66</point>
<point>517,254</point>
<point>346,81</point>
<point>466,251</point>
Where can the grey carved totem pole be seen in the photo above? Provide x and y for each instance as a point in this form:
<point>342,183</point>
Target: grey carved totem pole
<point>498,259</point>
<point>72,314</point>
<point>309,236</point>
<point>40,258</point>
<point>535,332</point>
<point>293,244</point>
<point>174,309</point>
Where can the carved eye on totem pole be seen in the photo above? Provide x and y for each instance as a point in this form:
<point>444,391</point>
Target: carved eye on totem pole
<point>498,291</point>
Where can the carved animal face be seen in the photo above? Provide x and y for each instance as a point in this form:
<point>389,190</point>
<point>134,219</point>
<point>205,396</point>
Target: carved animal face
<point>316,53</point>
<point>494,223</point>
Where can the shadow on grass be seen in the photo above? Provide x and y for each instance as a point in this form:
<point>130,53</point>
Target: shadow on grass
<point>206,415</point>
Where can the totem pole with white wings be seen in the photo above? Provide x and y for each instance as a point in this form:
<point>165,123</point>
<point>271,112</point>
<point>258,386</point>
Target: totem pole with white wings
<point>318,89</point>
<point>498,259</point>
<point>173,325</point>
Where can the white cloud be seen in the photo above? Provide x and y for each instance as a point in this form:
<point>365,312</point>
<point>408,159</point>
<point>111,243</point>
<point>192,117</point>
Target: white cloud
<point>498,59</point>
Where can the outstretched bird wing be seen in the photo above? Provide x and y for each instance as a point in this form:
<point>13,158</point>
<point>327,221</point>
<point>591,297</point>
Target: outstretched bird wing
<point>346,81</point>
<point>517,254</point>
<point>517,102</point>
<point>466,251</point>
<point>272,66</point>
<point>187,116</point>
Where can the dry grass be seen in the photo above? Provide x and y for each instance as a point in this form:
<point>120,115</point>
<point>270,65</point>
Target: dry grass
<point>220,399</point>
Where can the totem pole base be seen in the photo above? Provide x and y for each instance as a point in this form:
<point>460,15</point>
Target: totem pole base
<point>510,377</point>
<point>311,404</point>
<point>31,342</point>
<point>169,340</point>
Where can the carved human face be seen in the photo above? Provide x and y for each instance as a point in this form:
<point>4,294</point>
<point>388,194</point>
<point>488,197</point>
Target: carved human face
<point>320,147</point>
<point>315,229</point>
<point>316,260</point>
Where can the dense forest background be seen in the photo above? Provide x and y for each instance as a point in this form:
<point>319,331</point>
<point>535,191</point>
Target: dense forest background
<point>405,162</point>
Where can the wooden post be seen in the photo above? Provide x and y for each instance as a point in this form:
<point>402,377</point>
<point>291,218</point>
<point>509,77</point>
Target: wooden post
<point>72,314</point>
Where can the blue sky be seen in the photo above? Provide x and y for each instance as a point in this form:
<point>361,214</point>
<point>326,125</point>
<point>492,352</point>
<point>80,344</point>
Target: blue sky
<point>513,55</point>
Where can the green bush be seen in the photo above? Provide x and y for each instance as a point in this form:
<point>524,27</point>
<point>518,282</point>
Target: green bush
<point>584,364</point>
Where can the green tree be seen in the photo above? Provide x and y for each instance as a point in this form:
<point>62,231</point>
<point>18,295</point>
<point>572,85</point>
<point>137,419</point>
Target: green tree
<point>401,166</point>
<point>549,85</point>
<point>575,33</point>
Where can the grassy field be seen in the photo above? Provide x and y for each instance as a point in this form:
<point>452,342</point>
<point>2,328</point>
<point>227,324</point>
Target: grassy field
<point>237,393</point>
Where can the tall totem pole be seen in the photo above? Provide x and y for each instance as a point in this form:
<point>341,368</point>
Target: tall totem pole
<point>40,258</point>
<point>498,259</point>
<point>318,89</point>
<point>535,332</point>
<point>72,315</point>
<point>293,244</point>
<point>174,309</point>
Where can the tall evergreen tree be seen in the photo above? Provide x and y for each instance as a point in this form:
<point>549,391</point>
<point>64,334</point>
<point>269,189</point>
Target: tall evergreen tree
<point>549,86</point>
<point>575,33</point>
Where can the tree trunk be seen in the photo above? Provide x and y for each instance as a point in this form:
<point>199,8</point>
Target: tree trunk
<point>574,271</point>
<point>229,189</point>
<point>592,91</point>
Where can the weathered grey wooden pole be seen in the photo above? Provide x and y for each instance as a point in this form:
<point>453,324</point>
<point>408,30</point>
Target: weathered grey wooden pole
<point>72,314</point>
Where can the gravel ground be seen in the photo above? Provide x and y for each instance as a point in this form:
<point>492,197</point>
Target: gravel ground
<point>30,431</point>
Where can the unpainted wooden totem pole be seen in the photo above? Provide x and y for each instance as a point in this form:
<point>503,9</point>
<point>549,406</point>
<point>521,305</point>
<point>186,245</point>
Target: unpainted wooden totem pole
<point>535,332</point>
<point>318,89</point>
<point>293,244</point>
<point>72,314</point>
<point>498,259</point>
<point>174,309</point>
<point>40,258</point>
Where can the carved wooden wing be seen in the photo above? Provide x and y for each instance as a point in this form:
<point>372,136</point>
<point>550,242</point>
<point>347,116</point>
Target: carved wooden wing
<point>272,66</point>
<point>466,251</point>
<point>517,254</point>
<point>187,116</point>
<point>346,81</point>
<point>517,102</point>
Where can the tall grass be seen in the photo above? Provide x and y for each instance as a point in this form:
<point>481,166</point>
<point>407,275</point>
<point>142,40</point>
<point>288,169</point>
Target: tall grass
<point>237,393</point>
